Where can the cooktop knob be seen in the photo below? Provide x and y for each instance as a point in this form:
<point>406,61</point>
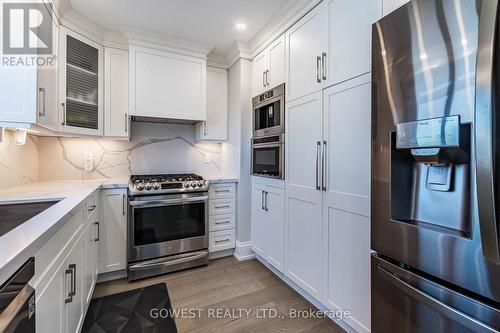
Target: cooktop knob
<point>156,186</point>
<point>139,187</point>
<point>188,185</point>
<point>200,184</point>
<point>148,186</point>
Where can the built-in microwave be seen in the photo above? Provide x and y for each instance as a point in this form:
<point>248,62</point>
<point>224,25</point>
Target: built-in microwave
<point>269,112</point>
<point>268,156</point>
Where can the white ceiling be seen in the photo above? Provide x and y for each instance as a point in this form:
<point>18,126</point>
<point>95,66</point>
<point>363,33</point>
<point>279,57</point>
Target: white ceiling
<point>210,22</point>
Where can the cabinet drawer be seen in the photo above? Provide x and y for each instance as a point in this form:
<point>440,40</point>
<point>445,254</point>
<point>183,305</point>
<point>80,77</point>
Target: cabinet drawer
<point>218,191</point>
<point>222,222</point>
<point>222,240</point>
<point>222,206</point>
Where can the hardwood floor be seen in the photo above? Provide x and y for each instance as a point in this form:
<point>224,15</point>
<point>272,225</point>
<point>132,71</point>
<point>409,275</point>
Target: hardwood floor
<point>229,285</point>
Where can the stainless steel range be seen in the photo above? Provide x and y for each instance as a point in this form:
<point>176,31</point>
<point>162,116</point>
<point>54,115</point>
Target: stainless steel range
<point>168,224</point>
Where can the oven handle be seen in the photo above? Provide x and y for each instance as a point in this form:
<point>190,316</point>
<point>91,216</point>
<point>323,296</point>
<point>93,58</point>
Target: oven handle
<point>168,263</point>
<point>168,201</point>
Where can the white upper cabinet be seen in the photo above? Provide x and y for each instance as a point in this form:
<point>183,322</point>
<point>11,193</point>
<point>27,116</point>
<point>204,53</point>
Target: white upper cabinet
<point>269,67</point>
<point>166,85</point>
<point>116,119</point>
<point>81,84</point>
<point>215,127</point>
<point>28,94</point>
<point>259,68</point>
<point>306,47</point>
<point>350,35</point>
<point>392,5</point>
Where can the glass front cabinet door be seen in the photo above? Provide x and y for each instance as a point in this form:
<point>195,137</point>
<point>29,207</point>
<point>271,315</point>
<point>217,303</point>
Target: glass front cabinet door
<point>81,89</point>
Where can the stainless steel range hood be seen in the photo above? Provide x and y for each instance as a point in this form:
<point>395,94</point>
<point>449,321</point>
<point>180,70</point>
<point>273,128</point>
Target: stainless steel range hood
<point>143,119</point>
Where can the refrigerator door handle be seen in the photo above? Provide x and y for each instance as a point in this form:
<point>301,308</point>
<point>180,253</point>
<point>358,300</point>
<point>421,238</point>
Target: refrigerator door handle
<point>446,310</point>
<point>484,133</point>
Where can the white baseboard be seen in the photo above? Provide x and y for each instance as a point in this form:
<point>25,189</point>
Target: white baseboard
<point>243,251</point>
<point>345,326</point>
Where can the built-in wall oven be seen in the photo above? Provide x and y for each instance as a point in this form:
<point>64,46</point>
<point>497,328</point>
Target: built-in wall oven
<point>268,156</point>
<point>268,142</point>
<point>168,225</point>
<point>269,112</point>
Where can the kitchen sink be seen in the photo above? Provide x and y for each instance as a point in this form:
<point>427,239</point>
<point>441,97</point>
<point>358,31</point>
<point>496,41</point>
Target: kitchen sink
<point>13,215</point>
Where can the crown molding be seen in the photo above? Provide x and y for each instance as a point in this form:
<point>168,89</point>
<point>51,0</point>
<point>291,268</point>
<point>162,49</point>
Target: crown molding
<point>166,42</point>
<point>237,50</point>
<point>81,24</point>
<point>284,19</point>
<point>217,60</point>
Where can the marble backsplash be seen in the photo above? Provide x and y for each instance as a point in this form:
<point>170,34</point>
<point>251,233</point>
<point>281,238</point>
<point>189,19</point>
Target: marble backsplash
<point>18,164</point>
<point>153,148</point>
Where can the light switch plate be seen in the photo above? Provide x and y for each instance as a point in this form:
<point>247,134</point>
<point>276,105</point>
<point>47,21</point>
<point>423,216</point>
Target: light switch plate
<point>88,161</point>
<point>208,158</point>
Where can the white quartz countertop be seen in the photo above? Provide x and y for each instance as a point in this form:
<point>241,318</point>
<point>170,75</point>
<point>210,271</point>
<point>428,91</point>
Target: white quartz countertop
<point>21,243</point>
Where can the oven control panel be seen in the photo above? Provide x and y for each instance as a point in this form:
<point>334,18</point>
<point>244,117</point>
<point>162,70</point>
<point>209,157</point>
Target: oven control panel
<point>151,187</point>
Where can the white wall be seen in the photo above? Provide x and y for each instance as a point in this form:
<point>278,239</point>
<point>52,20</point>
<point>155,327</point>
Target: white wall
<point>240,109</point>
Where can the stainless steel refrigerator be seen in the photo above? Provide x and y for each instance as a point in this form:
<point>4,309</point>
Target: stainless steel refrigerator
<point>435,198</point>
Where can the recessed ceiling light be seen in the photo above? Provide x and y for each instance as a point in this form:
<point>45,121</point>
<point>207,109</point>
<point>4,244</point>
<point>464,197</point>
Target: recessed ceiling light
<point>240,26</point>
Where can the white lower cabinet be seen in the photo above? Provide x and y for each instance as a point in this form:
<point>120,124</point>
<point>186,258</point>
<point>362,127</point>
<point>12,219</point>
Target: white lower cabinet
<point>113,230</point>
<point>268,224</point>
<point>91,249</point>
<point>303,204</point>
<point>346,199</point>
<point>66,273</point>
<point>326,201</point>
<point>221,217</point>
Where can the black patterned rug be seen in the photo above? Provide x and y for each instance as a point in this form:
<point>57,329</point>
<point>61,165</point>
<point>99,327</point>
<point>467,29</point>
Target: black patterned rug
<point>134,311</point>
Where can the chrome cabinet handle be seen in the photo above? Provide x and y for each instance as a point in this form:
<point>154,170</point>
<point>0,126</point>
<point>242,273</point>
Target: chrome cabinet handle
<point>318,147</point>
<point>73,280</point>
<point>264,79</point>
<point>219,207</point>
<point>123,204</point>
<point>318,70</point>
<point>484,135</point>
<point>205,128</point>
<point>267,77</point>
<point>222,241</point>
<point>219,191</point>
<point>223,222</point>
<point>91,208</point>
<point>265,201</point>
<point>323,167</point>
<point>126,123</point>
<point>41,108</point>
<point>98,232</point>
<point>323,64</point>
<point>69,272</point>
<point>262,200</point>
<point>63,113</point>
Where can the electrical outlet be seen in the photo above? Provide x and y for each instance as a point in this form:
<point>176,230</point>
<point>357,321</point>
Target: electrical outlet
<point>88,161</point>
<point>208,158</point>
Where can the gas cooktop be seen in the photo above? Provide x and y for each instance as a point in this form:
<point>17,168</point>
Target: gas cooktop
<point>166,183</point>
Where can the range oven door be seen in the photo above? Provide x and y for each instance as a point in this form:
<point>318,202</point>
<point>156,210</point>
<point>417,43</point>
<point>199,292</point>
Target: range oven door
<point>267,159</point>
<point>167,225</point>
